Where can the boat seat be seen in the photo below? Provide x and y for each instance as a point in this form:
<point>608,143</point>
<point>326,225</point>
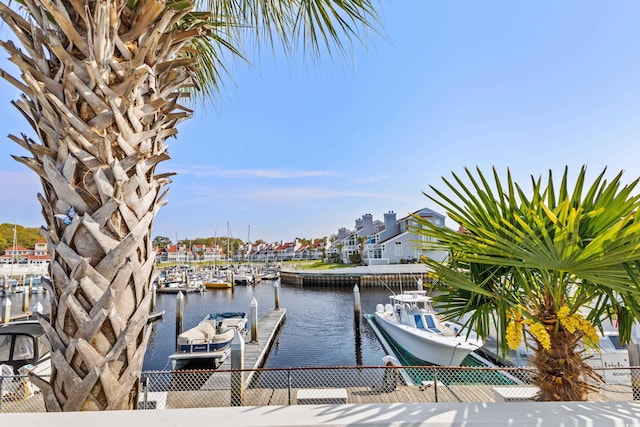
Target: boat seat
<point>191,336</point>
<point>232,323</point>
<point>207,329</point>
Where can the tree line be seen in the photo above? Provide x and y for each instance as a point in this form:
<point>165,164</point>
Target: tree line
<point>25,236</point>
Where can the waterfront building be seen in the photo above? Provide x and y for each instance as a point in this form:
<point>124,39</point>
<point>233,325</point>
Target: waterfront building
<point>391,241</point>
<point>39,254</point>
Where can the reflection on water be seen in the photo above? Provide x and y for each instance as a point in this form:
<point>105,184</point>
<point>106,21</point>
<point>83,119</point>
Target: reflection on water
<point>318,330</point>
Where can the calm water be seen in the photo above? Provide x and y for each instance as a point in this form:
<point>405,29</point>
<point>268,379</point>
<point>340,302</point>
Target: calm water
<point>319,327</point>
<point>318,330</point>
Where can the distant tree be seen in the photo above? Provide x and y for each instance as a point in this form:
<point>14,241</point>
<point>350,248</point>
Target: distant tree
<point>361,241</point>
<point>3,244</point>
<point>25,236</point>
<point>340,246</point>
<point>161,242</point>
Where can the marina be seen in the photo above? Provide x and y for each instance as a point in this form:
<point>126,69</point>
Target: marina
<point>319,328</point>
<point>312,351</point>
<point>317,319</point>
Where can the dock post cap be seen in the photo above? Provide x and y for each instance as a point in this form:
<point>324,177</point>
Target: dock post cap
<point>180,295</point>
<point>389,360</point>
<point>38,308</point>
<point>237,343</point>
<point>254,302</point>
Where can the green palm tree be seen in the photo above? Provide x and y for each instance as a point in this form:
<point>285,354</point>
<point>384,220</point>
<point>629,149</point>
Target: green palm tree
<point>544,265</point>
<point>104,83</point>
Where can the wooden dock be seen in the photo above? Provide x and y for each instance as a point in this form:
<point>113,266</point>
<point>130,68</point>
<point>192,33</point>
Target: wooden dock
<point>206,398</point>
<point>365,395</point>
<point>155,315</point>
<point>255,353</point>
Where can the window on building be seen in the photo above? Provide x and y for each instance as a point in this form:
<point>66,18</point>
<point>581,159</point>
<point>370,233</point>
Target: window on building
<point>398,247</point>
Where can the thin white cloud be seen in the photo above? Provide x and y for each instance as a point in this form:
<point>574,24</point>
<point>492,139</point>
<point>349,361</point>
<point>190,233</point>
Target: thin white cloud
<point>290,194</point>
<point>371,179</point>
<point>202,171</point>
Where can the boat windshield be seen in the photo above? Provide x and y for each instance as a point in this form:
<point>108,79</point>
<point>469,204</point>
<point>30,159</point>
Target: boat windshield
<point>430,321</point>
<point>418,320</point>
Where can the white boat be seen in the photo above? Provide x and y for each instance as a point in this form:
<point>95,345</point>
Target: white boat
<point>209,340</point>
<point>244,277</point>
<point>270,274</point>
<point>410,320</point>
<point>24,348</point>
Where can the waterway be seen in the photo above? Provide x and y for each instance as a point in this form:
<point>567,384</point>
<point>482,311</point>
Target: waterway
<point>319,327</point>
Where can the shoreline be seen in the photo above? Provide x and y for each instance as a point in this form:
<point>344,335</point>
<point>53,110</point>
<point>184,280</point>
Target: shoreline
<point>396,275</point>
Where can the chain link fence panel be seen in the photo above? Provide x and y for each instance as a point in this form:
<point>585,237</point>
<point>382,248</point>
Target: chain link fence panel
<point>331,385</point>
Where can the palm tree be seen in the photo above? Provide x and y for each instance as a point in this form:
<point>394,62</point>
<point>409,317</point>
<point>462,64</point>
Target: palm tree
<point>102,85</point>
<point>546,266</point>
<point>361,242</point>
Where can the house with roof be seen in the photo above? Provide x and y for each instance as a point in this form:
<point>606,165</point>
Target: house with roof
<point>391,241</point>
<point>39,254</point>
<point>176,253</point>
<point>286,251</point>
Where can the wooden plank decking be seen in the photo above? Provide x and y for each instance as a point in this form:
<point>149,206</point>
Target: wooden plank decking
<point>255,353</point>
<point>362,395</point>
<point>221,397</point>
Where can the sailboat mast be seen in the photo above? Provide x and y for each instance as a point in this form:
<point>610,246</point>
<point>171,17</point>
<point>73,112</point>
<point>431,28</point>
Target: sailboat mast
<point>13,253</point>
<point>228,242</point>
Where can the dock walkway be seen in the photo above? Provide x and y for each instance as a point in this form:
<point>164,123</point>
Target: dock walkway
<point>255,353</point>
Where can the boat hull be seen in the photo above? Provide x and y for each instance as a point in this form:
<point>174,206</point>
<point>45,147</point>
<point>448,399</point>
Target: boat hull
<point>218,285</point>
<point>435,349</point>
<point>181,360</point>
<point>209,340</point>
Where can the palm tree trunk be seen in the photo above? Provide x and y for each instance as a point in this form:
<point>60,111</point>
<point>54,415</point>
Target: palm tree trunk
<point>100,83</point>
<point>561,374</point>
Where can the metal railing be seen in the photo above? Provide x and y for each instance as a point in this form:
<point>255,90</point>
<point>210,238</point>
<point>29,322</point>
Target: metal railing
<point>329,385</point>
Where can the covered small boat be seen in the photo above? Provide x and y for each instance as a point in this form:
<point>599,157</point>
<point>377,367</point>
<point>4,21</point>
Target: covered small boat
<point>217,281</point>
<point>410,320</point>
<point>24,348</point>
<point>209,340</point>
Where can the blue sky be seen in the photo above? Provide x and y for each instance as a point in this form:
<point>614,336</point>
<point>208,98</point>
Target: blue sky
<point>295,149</point>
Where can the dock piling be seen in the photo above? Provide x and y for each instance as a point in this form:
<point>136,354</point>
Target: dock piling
<point>154,292</point>
<point>254,320</point>
<point>357,309</point>
<point>25,299</point>
<point>237,364</point>
<point>276,294</point>
<point>6,309</point>
<point>179,315</point>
